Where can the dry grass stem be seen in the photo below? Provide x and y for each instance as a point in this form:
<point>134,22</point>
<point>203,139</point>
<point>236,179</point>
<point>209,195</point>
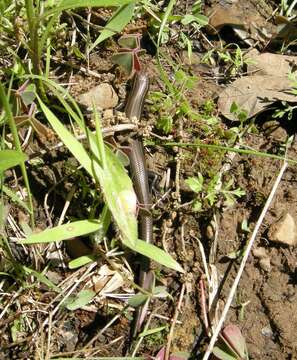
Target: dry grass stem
<point>243,262</point>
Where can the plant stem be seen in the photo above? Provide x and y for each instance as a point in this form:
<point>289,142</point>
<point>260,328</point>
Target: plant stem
<point>32,30</point>
<point>34,48</point>
<point>17,144</point>
<point>163,74</point>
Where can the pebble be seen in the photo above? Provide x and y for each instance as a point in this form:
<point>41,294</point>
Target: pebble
<point>284,231</point>
<point>103,96</point>
<point>264,259</point>
<point>260,252</point>
<point>267,331</point>
<point>265,264</point>
<point>108,114</point>
<point>274,130</point>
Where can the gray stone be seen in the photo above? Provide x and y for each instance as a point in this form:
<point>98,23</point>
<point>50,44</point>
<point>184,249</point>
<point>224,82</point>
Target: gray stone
<point>103,96</point>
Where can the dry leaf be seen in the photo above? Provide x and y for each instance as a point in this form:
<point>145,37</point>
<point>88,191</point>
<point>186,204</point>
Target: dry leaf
<point>270,64</point>
<point>254,94</point>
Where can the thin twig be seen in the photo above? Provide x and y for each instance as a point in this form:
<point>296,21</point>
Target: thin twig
<point>243,262</point>
<point>85,348</point>
<point>203,305</point>
<point>177,310</point>
<point>105,132</point>
<point>77,67</point>
<point>201,248</point>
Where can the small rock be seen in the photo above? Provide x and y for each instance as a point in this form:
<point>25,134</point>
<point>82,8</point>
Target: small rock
<point>103,96</point>
<point>54,277</point>
<point>267,331</point>
<point>210,233</point>
<point>108,114</point>
<point>265,264</point>
<point>284,231</point>
<point>264,259</point>
<point>274,130</point>
<point>260,252</point>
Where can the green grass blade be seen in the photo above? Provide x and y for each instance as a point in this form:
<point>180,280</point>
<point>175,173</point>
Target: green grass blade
<point>14,197</point>
<point>116,24</point>
<point>73,4</point>
<point>81,261</point>
<point>99,141</point>
<point>168,11</point>
<point>64,232</point>
<point>74,146</point>
<point>156,254</point>
<point>231,149</point>
<point>5,102</point>
<point>11,158</point>
<point>42,278</point>
<point>152,331</point>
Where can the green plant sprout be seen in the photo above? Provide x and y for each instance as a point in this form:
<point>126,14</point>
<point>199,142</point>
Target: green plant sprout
<point>235,60</point>
<point>240,113</point>
<point>193,21</point>
<point>288,109</point>
<point>171,106</point>
<point>211,192</point>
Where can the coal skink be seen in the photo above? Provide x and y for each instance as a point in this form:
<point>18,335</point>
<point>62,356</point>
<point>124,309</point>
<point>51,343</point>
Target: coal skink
<point>137,96</point>
<point>137,161</point>
<point>140,180</point>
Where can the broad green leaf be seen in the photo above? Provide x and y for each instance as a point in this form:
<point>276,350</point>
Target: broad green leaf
<point>81,261</point>
<point>161,292</point>
<point>156,254</point>
<point>29,94</point>
<point>11,158</point>
<point>64,232</point>
<point>129,41</point>
<point>116,24</point>
<point>234,339</point>
<point>197,205</point>
<point>82,299</point>
<point>120,197</point>
<point>137,300</point>
<point>116,185</point>
<point>234,107</point>
<point>124,59</point>
<point>187,19</point>
<point>195,183</point>
<point>222,355</point>
<point>201,19</point>
<point>73,4</point>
